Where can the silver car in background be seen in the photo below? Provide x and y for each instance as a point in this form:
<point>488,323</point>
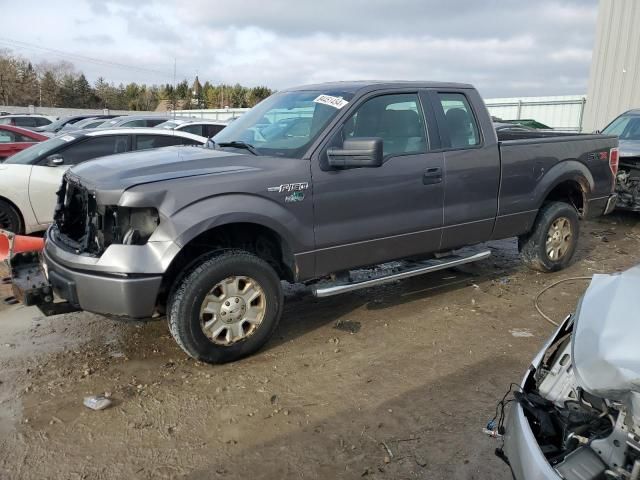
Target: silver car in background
<point>196,126</point>
<point>576,415</point>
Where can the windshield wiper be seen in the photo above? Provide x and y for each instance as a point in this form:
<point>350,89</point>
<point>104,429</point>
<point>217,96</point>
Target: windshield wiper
<point>239,144</point>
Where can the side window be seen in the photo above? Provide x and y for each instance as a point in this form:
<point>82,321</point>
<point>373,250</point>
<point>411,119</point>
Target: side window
<point>23,138</point>
<point>195,129</point>
<point>156,141</point>
<point>7,136</point>
<point>397,119</point>
<point>41,122</point>
<point>135,123</point>
<point>26,122</point>
<point>153,122</point>
<point>212,130</point>
<point>461,124</point>
<point>189,141</point>
<point>94,147</point>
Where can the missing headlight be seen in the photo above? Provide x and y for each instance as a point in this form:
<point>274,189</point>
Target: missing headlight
<point>126,226</point>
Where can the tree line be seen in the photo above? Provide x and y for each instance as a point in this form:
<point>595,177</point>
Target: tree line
<point>60,84</point>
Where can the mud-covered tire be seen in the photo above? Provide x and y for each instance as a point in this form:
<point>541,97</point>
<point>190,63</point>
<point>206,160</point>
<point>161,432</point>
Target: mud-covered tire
<point>187,297</point>
<point>533,246</point>
<point>10,218</point>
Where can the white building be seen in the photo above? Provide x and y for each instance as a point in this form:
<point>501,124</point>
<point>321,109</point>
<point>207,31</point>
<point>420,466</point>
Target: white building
<point>614,81</point>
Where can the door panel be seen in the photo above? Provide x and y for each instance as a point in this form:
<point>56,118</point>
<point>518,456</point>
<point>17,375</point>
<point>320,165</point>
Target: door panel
<point>472,169</point>
<point>365,216</point>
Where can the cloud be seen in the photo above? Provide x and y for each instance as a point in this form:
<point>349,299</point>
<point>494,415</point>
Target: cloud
<point>505,47</point>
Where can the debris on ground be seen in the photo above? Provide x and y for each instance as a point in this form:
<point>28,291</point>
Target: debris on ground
<point>347,326</point>
<point>97,402</point>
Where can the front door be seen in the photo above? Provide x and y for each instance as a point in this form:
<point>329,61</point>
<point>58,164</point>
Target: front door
<point>365,216</point>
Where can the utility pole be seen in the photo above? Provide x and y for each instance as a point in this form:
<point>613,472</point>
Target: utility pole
<point>173,101</point>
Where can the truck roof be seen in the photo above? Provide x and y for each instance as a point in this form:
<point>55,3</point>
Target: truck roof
<point>357,85</point>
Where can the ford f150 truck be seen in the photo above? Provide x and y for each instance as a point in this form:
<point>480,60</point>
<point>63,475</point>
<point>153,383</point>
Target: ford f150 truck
<point>313,185</point>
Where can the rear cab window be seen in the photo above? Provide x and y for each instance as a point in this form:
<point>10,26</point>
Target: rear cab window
<point>460,122</point>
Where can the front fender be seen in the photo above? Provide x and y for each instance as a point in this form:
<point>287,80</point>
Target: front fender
<point>292,222</point>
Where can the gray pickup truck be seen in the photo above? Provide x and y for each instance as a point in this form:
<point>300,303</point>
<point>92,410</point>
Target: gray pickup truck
<point>315,184</point>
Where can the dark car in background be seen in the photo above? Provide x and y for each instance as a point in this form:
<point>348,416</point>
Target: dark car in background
<point>14,139</point>
<point>59,124</point>
<point>627,129</point>
<point>86,124</point>
<point>135,121</point>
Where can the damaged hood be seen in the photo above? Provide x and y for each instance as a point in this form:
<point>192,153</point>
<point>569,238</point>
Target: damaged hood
<point>606,339</point>
<point>123,171</point>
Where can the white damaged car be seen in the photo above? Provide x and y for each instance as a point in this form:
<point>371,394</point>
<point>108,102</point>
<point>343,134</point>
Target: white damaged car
<point>576,415</point>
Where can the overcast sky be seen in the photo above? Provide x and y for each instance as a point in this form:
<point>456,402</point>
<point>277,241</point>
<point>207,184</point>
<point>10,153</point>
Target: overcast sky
<point>504,47</point>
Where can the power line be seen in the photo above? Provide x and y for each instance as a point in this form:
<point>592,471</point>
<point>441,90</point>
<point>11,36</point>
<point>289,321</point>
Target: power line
<point>78,57</point>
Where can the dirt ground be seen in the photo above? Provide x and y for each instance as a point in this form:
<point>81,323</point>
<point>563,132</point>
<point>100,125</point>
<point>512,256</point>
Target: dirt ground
<point>394,382</point>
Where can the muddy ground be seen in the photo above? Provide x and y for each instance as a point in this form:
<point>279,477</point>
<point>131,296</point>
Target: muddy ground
<point>393,382</point>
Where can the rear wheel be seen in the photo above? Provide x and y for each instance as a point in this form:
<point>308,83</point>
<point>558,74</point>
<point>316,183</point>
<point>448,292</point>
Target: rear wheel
<point>10,218</point>
<point>226,308</point>
<point>553,240</point>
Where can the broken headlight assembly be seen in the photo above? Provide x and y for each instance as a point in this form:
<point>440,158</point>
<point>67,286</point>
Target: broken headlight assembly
<point>125,225</point>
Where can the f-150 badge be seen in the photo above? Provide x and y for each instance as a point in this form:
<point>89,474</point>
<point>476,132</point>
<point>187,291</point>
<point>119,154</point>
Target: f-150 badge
<point>289,187</point>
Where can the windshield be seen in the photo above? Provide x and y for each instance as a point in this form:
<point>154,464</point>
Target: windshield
<point>285,124</point>
<point>626,127</point>
<point>29,155</point>
<point>53,126</point>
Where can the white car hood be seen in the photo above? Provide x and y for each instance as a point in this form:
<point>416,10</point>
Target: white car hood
<point>606,339</point>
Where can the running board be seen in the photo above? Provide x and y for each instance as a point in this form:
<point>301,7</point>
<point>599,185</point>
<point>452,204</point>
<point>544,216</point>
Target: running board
<point>400,271</point>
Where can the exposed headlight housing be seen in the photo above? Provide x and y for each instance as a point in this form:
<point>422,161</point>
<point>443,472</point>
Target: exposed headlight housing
<point>125,225</point>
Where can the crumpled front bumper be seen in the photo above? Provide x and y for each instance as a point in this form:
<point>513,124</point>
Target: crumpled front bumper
<point>521,448</point>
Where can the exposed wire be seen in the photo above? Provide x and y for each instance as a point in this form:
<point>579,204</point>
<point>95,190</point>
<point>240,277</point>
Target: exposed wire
<point>536,304</point>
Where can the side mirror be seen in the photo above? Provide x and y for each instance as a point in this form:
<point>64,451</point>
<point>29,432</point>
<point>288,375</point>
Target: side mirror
<point>356,153</point>
<point>55,160</point>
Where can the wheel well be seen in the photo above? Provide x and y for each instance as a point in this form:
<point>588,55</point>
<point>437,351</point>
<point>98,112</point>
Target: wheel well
<point>258,239</point>
<point>571,192</point>
<point>15,207</point>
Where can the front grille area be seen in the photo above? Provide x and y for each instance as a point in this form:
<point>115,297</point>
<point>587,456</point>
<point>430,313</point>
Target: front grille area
<point>84,227</point>
<point>76,218</point>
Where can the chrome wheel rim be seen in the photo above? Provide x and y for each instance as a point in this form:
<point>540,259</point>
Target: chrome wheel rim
<point>559,238</point>
<point>232,310</point>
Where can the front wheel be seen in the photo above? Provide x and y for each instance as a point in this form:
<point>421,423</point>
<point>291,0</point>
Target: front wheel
<point>226,308</point>
<point>553,240</point>
<point>10,218</point>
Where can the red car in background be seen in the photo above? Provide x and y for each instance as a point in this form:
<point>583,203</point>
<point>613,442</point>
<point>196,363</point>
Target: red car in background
<point>14,139</point>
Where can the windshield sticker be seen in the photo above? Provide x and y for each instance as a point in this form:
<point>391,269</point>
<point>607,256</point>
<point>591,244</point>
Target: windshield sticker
<point>335,102</point>
<point>67,138</point>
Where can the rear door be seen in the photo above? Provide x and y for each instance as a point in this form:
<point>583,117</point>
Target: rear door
<point>471,167</point>
<point>45,181</point>
<point>365,216</point>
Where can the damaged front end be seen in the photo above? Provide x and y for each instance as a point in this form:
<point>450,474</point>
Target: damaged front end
<point>577,414</point>
<point>85,227</point>
<point>628,183</point>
